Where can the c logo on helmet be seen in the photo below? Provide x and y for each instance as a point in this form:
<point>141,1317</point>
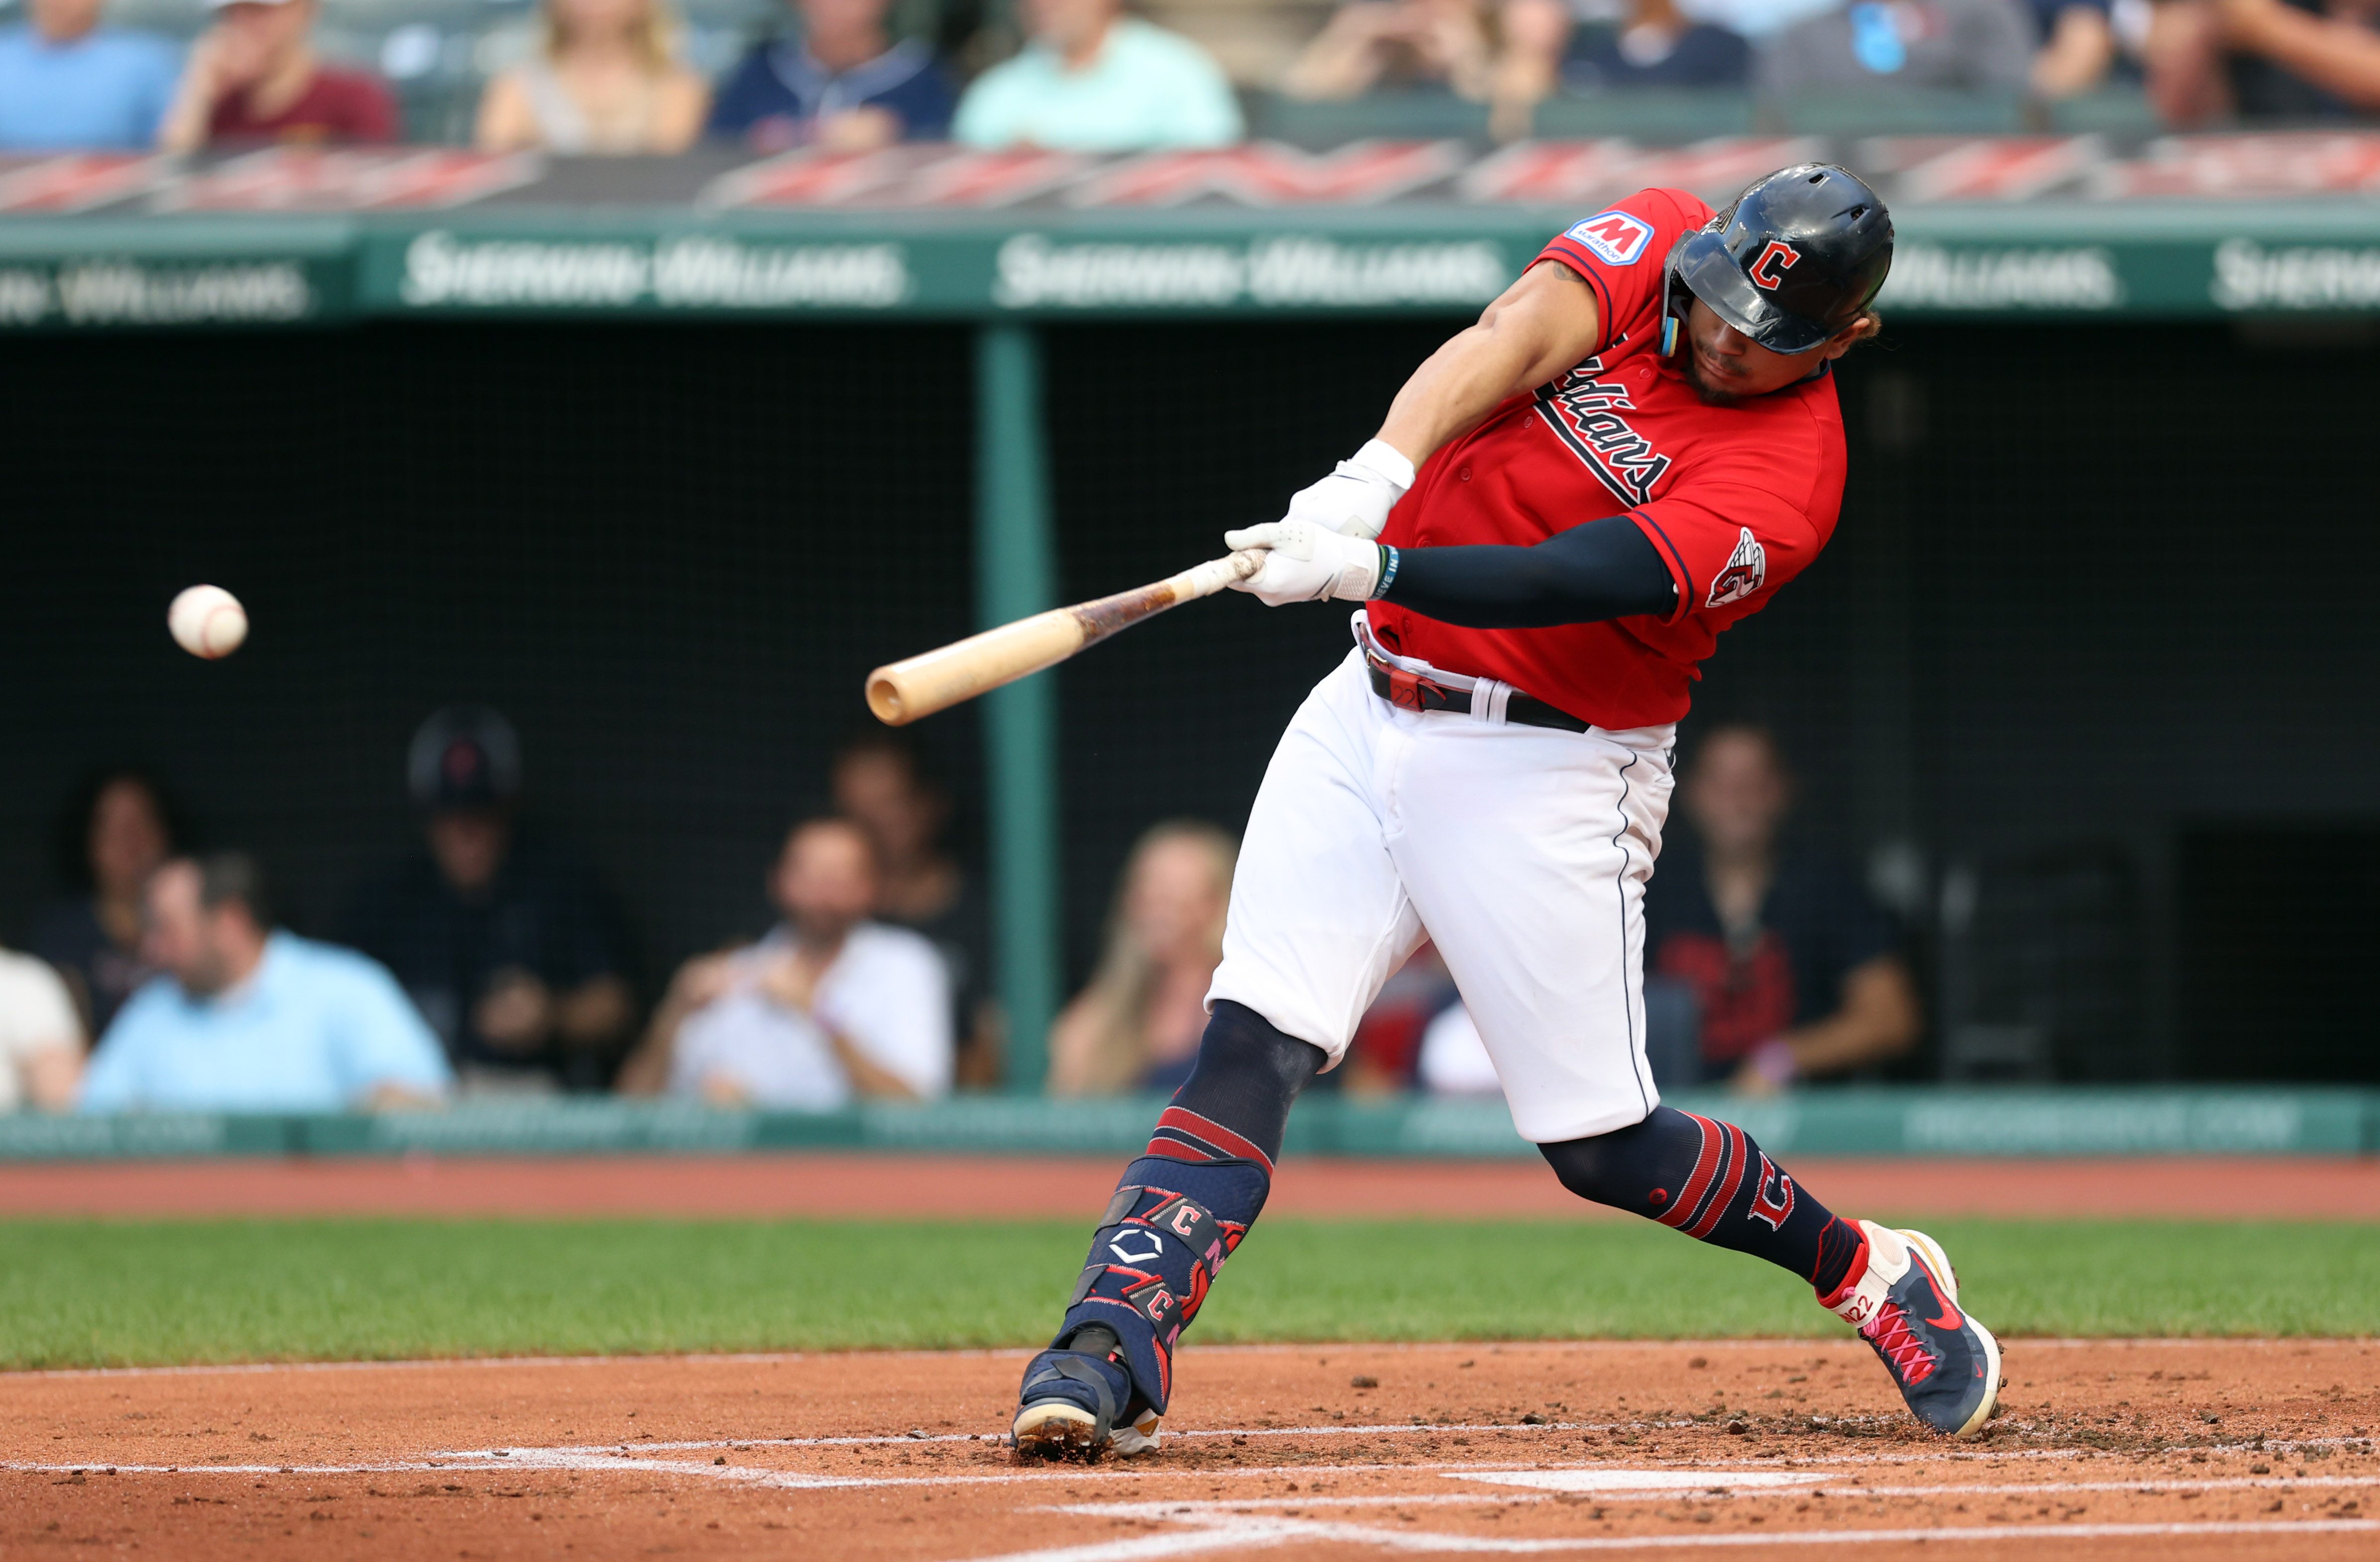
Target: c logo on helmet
<point>1780,255</point>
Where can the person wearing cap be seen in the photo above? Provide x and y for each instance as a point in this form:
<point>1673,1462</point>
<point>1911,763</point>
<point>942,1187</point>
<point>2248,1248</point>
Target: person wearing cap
<point>508,945</point>
<point>254,77</point>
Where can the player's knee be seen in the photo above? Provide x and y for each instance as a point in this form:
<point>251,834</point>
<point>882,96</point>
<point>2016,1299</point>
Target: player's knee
<point>1627,1167</point>
<point>1238,1041</point>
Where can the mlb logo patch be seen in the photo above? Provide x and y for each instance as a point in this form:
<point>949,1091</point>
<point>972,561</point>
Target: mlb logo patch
<point>1616,238</point>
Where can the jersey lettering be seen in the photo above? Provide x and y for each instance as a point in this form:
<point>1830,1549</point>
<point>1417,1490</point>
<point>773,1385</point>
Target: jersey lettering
<point>1583,412</point>
<point>1779,256</point>
<point>1616,238</point>
<point>1747,570</point>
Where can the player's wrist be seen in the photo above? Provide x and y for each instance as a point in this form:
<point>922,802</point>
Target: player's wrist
<point>1385,461</point>
<point>1385,576</point>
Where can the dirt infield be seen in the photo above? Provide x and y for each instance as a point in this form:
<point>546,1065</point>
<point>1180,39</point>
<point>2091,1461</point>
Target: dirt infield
<point>1023,1187</point>
<point>2149,1449</point>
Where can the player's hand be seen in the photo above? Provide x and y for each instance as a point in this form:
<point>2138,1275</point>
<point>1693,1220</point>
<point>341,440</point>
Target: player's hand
<point>1304,564</point>
<point>1355,499</point>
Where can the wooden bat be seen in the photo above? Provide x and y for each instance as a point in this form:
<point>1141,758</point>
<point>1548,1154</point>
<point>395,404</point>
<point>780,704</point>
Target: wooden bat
<point>939,679</point>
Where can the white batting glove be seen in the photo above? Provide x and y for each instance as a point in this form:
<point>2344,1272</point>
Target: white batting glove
<point>1304,564</point>
<point>1355,499</point>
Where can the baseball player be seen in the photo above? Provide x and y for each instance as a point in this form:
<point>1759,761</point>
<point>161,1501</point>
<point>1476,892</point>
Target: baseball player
<point>1634,447</point>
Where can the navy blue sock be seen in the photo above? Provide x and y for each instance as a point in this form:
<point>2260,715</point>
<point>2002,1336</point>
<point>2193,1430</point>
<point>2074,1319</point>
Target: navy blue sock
<point>1708,1179</point>
<point>1182,1208</point>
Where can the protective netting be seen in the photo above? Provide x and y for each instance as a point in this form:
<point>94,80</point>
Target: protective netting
<point>2089,583</point>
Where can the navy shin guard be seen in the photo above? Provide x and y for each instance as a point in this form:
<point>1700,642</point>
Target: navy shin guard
<point>1166,1235</point>
<point>1182,1208</point>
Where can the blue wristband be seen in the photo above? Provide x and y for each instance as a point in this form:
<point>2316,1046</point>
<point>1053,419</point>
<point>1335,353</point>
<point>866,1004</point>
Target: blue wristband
<point>1389,560</point>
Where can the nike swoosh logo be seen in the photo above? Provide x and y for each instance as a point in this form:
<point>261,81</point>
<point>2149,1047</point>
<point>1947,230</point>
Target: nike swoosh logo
<point>1950,1318</point>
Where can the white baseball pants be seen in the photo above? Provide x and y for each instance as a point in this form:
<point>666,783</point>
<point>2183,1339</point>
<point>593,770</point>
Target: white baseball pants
<point>1524,851</point>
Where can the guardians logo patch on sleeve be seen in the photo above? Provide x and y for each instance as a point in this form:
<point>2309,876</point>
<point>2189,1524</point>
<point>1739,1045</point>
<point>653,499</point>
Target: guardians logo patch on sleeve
<point>1747,569</point>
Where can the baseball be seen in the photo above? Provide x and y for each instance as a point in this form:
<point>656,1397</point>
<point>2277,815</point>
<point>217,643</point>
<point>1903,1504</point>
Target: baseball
<point>207,620</point>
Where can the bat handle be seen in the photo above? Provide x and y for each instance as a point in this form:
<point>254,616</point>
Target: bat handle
<point>1205,580</point>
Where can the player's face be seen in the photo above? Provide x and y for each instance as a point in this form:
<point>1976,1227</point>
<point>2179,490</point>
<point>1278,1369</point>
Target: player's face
<point>1724,365</point>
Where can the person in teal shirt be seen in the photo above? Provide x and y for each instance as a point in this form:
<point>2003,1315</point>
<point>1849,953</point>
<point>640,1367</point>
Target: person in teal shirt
<point>68,83</point>
<point>245,1019</point>
<point>1093,79</point>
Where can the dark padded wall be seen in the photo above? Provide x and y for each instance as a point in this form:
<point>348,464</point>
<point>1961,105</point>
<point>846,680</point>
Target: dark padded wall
<point>670,556</point>
<point>2092,587</point>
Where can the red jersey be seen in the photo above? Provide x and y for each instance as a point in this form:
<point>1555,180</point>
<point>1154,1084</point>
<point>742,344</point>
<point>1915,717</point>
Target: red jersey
<point>337,105</point>
<point>1738,499</point>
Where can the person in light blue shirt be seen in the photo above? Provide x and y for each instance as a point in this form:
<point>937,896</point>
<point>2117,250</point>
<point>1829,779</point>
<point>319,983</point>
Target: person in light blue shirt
<point>245,1019</point>
<point>67,83</point>
<point>1093,79</point>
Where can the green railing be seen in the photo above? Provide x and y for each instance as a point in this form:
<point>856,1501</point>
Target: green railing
<point>2084,1120</point>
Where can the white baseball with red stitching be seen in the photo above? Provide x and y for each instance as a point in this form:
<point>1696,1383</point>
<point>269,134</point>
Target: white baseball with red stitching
<point>208,622</point>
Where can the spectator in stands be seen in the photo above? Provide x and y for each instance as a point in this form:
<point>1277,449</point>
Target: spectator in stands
<point>884,783</point>
<point>604,81</point>
<point>1791,962</point>
<point>254,77</point>
<point>842,84</point>
<point>1370,44</point>
<point>113,835</point>
<point>2078,46</point>
<point>1984,47</point>
<point>828,1007</point>
<point>1653,43</point>
<point>1137,1026</point>
<point>40,1037</point>
<point>248,1019</point>
<point>508,945</point>
<point>67,82</point>
<point>1094,80</point>
<point>2288,60</point>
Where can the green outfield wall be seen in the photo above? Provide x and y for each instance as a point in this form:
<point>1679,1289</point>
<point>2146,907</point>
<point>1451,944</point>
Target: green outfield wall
<point>1862,1121</point>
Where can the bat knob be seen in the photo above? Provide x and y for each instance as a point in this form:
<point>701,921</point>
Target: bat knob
<point>884,700</point>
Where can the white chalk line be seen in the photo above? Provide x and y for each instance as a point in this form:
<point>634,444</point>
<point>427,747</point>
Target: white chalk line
<point>1237,1533</point>
<point>1394,1347</point>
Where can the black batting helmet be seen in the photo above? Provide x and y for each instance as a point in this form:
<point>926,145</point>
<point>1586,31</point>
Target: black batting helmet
<point>1795,259</point>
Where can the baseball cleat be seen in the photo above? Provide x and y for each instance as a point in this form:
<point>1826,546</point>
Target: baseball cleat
<point>1904,1301</point>
<point>1070,1400</point>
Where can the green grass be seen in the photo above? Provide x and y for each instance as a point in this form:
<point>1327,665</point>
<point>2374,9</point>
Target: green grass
<point>86,1293</point>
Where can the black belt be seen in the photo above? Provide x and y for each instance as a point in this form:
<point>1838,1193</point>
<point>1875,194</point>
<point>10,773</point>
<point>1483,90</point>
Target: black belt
<point>1419,690</point>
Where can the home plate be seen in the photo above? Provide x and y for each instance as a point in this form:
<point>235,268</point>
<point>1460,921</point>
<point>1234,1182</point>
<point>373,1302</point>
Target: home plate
<point>1633,1480</point>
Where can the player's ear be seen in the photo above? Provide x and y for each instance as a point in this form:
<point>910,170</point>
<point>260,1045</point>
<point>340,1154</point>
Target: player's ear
<point>1868,325</point>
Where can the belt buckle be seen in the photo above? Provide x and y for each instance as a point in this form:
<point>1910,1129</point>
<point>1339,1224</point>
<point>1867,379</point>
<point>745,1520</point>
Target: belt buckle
<point>1411,691</point>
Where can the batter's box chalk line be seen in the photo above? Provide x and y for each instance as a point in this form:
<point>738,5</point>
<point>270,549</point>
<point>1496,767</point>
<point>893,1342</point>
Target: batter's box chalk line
<point>1222,1530</point>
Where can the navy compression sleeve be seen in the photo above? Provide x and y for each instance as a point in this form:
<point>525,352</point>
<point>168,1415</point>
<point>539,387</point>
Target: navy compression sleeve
<point>1604,569</point>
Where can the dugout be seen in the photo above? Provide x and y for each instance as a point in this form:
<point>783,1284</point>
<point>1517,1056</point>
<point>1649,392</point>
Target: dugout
<point>2083,676</point>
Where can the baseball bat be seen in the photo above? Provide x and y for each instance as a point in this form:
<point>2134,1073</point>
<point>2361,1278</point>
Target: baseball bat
<point>904,691</point>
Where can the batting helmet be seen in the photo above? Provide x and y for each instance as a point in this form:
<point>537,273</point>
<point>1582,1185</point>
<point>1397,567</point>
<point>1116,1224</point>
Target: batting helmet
<point>1795,259</point>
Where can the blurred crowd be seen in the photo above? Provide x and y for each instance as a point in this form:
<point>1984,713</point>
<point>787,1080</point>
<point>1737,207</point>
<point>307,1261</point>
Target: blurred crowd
<point>621,76</point>
<point>492,961</point>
